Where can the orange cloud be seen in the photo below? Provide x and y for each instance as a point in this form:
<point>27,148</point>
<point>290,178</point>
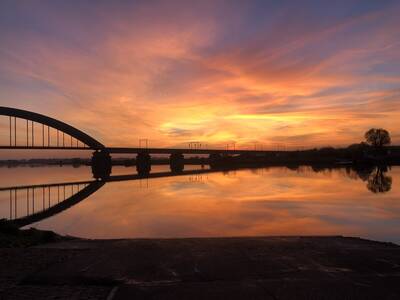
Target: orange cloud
<point>175,73</point>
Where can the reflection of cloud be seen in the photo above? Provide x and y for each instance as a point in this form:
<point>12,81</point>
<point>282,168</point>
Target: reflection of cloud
<point>256,73</point>
<point>276,201</point>
<point>184,185</point>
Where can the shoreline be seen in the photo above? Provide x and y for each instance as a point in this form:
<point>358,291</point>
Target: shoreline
<point>285,267</point>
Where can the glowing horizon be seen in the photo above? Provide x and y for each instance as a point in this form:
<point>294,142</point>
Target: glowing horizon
<point>307,74</point>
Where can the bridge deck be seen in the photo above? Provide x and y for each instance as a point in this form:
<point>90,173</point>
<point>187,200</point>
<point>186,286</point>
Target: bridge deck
<point>182,150</point>
<point>133,150</point>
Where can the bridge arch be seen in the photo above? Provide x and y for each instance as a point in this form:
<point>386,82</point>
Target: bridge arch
<point>53,123</point>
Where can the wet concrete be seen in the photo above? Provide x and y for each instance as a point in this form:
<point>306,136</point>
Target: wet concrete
<point>210,268</point>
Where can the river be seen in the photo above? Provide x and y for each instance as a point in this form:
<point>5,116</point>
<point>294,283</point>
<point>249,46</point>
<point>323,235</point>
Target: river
<point>248,202</point>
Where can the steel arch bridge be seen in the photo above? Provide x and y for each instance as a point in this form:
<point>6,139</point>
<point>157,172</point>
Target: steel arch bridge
<point>36,131</point>
<point>68,137</point>
<point>64,136</point>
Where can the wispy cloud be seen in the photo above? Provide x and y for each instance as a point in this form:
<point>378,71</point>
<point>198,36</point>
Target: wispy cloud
<point>214,71</point>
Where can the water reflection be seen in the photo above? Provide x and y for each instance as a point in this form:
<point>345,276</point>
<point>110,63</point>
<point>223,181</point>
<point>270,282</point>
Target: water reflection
<point>57,197</point>
<point>378,181</point>
<point>265,201</point>
<point>53,198</point>
<point>376,176</point>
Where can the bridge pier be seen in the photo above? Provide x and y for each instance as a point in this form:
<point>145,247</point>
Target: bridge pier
<point>176,162</point>
<point>101,164</point>
<point>143,163</point>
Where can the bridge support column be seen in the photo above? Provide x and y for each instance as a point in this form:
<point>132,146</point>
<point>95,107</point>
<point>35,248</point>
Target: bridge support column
<point>143,163</point>
<point>176,162</point>
<point>101,164</point>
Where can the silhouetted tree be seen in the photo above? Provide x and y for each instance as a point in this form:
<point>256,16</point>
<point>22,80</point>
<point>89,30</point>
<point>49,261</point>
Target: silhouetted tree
<point>377,137</point>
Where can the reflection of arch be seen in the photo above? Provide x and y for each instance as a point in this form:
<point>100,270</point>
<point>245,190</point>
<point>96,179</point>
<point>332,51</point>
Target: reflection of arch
<point>67,203</point>
<point>90,187</point>
<point>61,126</point>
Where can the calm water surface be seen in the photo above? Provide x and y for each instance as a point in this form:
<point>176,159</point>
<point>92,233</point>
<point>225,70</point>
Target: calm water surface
<point>250,202</point>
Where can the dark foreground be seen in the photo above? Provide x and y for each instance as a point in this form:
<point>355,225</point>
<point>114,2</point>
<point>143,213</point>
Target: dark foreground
<point>212,268</point>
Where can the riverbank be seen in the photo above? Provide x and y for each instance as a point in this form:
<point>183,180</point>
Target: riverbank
<point>202,268</point>
<point>357,155</point>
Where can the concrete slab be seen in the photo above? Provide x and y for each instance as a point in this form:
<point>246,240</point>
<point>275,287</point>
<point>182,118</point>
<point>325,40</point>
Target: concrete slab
<point>217,268</point>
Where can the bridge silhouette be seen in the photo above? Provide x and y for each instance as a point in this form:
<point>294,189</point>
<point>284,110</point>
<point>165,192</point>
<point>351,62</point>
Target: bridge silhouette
<point>46,133</point>
<point>32,131</point>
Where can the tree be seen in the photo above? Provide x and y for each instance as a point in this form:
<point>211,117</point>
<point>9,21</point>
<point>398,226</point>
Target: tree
<point>377,137</point>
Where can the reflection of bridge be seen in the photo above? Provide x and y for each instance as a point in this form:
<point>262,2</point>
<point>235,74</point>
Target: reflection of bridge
<point>36,131</point>
<point>43,201</point>
<point>33,203</point>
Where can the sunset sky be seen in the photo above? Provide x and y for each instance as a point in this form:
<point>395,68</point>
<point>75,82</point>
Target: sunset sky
<point>292,73</point>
